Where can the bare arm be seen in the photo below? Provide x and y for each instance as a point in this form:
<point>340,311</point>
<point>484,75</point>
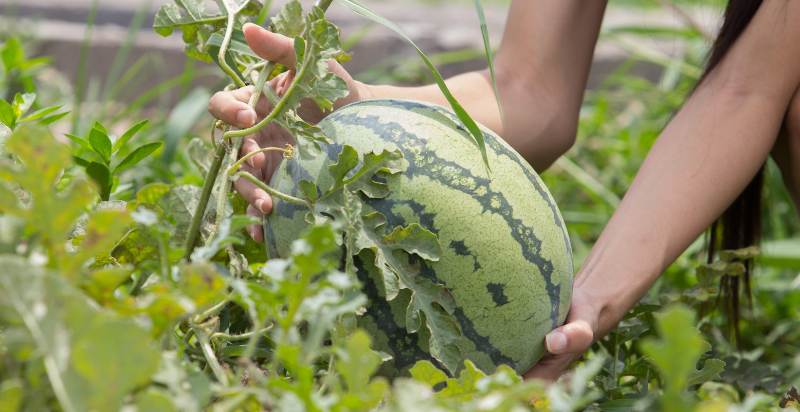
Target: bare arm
<point>702,161</point>
<point>787,150</point>
<point>542,67</point>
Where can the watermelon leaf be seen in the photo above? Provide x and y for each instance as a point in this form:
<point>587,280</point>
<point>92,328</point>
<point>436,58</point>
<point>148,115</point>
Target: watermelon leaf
<point>415,239</point>
<point>427,373</point>
<point>429,307</point>
<point>289,20</point>
<point>319,44</point>
<point>72,335</point>
<point>348,159</point>
<point>198,25</point>
<point>462,114</point>
<point>42,160</point>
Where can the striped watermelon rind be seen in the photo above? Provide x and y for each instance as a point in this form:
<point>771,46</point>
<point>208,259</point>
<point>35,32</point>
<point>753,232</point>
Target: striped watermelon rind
<point>504,275</point>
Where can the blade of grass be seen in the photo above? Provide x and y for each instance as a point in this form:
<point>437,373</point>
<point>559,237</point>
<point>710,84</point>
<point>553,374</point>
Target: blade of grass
<point>129,75</point>
<point>589,182</point>
<point>83,59</point>
<point>121,56</point>
<point>487,47</point>
<point>382,71</point>
<point>462,114</point>
<point>158,91</point>
<point>264,13</point>
<point>655,57</point>
<point>355,37</point>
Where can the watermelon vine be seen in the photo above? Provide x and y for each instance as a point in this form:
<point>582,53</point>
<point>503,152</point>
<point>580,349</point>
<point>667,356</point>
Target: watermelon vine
<point>316,41</point>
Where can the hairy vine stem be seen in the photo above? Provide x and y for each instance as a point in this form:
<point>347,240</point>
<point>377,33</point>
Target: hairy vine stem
<point>223,50</point>
<point>269,189</point>
<point>205,195</point>
<point>240,337</point>
<point>222,149</point>
<point>287,152</point>
<point>208,353</point>
<point>225,186</point>
<point>212,311</point>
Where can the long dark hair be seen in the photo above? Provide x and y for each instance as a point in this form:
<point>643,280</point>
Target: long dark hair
<point>740,225</point>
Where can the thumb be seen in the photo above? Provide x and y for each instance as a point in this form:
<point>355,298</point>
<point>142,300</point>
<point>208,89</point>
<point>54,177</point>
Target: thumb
<point>574,337</point>
<point>270,46</point>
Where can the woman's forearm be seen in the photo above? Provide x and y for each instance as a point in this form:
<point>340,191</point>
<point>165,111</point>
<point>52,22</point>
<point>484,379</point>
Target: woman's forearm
<point>542,66</point>
<point>473,90</point>
<point>701,162</point>
<point>787,150</point>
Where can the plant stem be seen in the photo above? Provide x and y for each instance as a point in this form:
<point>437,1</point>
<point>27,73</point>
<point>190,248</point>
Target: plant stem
<point>194,229</point>
<point>264,12</point>
<point>164,259</point>
<point>324,4</point>
<point>252,341</point>
<point>205,195</point>
<point>211,358</point>
<point>235,167</point>
<point>688,19</point>
<point>225,185</point>
<point>243,336</point>
<point>223,49</point>
<point>140,281</point>
<point>265,187</point>
<point>279,107</point>
<point>211,311</point>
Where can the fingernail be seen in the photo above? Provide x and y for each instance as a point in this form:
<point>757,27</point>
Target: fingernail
<point>261,205</point>
<point>245,117</point>
<point>252,232</point>
<point>556,342</point>
<point>251,162</point>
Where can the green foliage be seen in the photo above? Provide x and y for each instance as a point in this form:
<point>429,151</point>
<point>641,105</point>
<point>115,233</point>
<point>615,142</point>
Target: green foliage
<point>676,354</point>
<point>199,25</point>
<point>99,310</point>
<point>15,112</point>
<point>17,73</point>
<point>428,306</point>
<point>462,114</point>
<point>105,158</point>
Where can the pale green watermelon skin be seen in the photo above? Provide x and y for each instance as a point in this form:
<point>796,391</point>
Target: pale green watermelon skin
<point>507,259</point>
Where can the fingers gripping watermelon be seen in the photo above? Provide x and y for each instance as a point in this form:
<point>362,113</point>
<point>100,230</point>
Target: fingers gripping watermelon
<point>501,277</point>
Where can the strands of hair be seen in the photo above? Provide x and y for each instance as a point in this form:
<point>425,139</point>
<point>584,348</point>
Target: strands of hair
<point>740,225</point>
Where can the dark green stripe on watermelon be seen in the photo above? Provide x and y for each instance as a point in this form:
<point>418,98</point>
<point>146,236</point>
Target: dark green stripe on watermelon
<point>493,144</point>
<point>406,348</point>
<point>391,125</point>
<point>427,163</point>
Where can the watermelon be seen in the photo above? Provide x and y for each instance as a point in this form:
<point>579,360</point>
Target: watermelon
<point>505,268</point>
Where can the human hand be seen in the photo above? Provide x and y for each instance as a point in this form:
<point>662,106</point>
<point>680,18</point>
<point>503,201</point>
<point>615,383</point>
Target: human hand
<point>232,108</point>
<point>568,342</point>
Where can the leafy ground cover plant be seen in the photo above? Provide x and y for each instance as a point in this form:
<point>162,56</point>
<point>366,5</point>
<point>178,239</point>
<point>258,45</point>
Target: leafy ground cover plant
<point>100,309</point>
